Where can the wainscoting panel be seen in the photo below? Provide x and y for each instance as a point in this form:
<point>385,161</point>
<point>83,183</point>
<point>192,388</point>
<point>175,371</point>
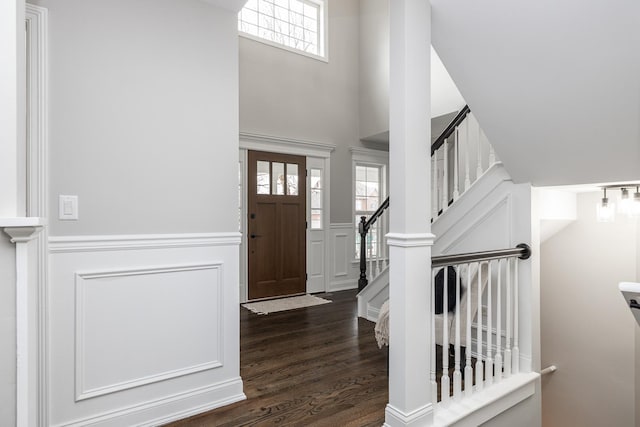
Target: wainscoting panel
<point>108,362</point>
<point>344,270</point>
<point>143,329</point>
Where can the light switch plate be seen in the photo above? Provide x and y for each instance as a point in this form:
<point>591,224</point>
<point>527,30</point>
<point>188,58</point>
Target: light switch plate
<point>68,208</point>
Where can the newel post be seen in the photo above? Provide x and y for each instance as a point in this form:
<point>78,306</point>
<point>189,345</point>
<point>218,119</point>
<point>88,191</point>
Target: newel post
<point>362,281</point>
<point>410,237</point>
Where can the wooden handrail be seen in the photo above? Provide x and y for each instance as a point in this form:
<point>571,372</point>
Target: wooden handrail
<point>450,128</point>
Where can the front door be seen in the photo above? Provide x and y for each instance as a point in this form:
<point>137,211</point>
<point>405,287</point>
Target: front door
<point>276,224</point>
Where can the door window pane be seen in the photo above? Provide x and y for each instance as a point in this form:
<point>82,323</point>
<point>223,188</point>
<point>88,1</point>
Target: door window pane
<point>263,178</point>
<point>278,178</point>
<point>315,183</point>
<point>292,179</point>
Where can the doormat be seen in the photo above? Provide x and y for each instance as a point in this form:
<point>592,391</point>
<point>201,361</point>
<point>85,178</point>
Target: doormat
<point>284,304</point>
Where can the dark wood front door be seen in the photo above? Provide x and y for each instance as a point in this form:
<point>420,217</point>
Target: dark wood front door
<point>277,224</point>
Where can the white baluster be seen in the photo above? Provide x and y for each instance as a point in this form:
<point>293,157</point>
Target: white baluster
<point>467,144</point>
<point>468,369</point>
<point>479,152</point>
<point>444,381</point>
<point>498,358</point>
<point>434,384</point>
<point>479,384</point>
<point>456,155</point>
<point>516,350</point>
<point>378,245</point>
<point>457,376</point>
<point>434,186</point>
<point>488,363</point>
<point>507,344</point>
<point>445,177</point>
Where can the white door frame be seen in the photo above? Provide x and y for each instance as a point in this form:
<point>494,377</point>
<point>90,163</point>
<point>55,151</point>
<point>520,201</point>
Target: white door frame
<point>283,146</point>
<point>37,199</point>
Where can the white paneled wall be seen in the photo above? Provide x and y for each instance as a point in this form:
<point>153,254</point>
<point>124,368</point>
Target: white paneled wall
<point>345,270</point>
<point>143,329</point>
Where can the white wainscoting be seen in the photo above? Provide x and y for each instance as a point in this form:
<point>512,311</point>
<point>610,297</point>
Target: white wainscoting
<point>143,329</point>
<point>344,271</point>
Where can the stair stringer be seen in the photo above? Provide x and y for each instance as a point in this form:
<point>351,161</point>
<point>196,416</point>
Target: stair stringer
<point>483,217</point>
<point>371,298</point>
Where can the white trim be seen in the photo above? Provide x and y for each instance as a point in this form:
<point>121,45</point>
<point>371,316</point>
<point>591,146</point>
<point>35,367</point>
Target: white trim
<point>411,240</point>
<point>21,236</point>
<point>368,155</point>
<point>208,398</point>
<point>81,392</point>
<point>343,285</point>
<point>488,404</point>
<point>28,221</point>
<point>275,144</point>
<point>394,417</point>
<point>59,244</point>
<point>281,145</point>
<point>37,196</point>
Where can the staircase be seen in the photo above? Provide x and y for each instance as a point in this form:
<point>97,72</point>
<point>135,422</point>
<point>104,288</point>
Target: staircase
<point>475,207</point>
<point>464,169</point>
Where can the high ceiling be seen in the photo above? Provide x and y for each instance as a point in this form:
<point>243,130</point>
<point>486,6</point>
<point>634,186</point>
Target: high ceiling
<point>555,85</point>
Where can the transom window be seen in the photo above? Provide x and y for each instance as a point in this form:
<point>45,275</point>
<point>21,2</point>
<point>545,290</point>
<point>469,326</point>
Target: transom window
<point>294,24</point>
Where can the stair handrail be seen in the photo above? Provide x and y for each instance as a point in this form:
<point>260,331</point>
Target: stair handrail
<point>459,118</point>
<point>363,229</point>
<point>522,250</point>
<point>365,224</point>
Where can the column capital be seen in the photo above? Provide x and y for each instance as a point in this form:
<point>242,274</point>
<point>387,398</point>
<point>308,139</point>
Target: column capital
<point>410,240</point>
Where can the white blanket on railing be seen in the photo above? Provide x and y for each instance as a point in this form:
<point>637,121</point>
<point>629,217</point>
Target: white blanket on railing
<point>382,325</point>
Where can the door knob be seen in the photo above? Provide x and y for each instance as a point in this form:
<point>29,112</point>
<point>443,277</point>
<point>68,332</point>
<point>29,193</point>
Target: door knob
<point>253,236</point>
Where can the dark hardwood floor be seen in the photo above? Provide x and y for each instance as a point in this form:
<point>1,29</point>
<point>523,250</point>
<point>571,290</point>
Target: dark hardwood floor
<point>315,366</point>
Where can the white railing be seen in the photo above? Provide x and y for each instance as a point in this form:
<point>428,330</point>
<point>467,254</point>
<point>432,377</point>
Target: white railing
<point>485,294</point>
<point>462,155</point>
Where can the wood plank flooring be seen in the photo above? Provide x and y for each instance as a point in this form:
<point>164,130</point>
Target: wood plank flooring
<point>315,366</point>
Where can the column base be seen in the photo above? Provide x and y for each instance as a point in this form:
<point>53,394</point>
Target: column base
<point>420,417</point>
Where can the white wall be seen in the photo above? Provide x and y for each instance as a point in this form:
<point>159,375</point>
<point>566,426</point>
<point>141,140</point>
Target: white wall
<point>7,332</point>
<point>374,67</point>
<point>374,74</point>
<point>587,330</point>
<point>144,129</point>
<point>293,96</point>
<point>143,117</point>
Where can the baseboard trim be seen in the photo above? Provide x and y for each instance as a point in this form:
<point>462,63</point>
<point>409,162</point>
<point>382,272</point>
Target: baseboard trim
<point>372,313</point>
<point>420,417</point>
<point>167,409</point>
<point>343,285</point>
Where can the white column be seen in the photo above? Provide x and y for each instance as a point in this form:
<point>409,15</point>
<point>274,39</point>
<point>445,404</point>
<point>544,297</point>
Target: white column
<point>12,108</point>
<point>22,231</point>
<point>410,237</point>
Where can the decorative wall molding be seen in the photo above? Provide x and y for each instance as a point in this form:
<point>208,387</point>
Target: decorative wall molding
<point>83,279</point>
<point>58,244</point>
<point>344,272</point>
<point>410,240</point>
<point>38,188</point>
<point>275,144</point>
<point>361,154</point>
<point>145,326</point>
<point>199,400</point>
<point>22,231</point>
